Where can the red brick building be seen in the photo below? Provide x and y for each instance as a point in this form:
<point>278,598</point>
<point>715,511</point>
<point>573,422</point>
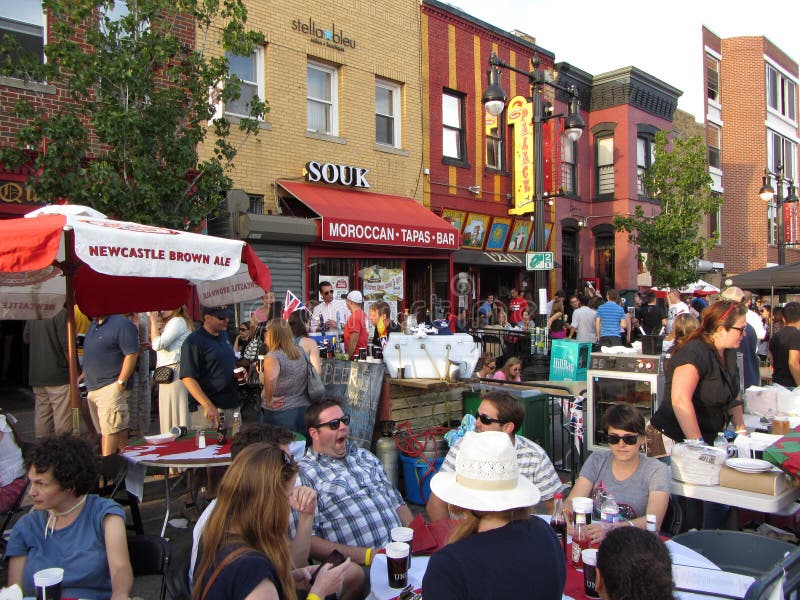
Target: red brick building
<point>751,121</point>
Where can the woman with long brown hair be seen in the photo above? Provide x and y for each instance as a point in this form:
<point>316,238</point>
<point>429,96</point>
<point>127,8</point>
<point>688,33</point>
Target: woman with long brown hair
<point>168,330</point>
<point>244,550</point>
<point>285,377</point>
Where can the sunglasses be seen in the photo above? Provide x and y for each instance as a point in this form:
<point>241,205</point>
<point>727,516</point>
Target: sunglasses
<point>485,419</point>
<point>630,439</point>
<point>334,424</point>
<point>492,367</point>
<point>242,328</point>
<point>327,293</point>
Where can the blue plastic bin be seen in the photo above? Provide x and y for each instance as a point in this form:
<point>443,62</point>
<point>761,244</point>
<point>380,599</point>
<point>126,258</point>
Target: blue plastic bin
<point>416,472</point>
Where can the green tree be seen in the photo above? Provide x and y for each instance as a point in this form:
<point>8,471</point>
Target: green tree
<point>139,81</point>
<point>679,179</point>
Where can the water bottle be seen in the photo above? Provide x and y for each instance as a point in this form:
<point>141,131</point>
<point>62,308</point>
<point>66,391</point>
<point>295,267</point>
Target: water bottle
<point>609,511</point>
<point>722,443</point>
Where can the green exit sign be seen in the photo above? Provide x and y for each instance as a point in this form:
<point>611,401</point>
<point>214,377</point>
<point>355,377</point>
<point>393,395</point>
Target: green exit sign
<point>538,261</point>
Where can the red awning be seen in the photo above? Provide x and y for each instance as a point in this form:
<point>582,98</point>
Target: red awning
<point>356,217</point>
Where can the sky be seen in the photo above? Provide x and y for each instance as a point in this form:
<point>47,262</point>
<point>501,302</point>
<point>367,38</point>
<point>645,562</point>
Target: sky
<point>620,33</point>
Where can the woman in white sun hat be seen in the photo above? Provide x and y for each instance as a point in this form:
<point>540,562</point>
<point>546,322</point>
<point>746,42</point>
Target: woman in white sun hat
<point>498,550</point>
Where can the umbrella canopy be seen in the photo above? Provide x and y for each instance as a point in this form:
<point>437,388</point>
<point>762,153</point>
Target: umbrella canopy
<point>784,278</point>
<point>61,254</point>
<point>698,288</point>
<point>118,267</point>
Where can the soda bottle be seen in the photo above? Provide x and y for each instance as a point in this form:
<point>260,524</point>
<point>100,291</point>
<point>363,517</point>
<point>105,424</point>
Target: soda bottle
<point>609,512</point>
<point>222,429</point>
<point>558,522</point>
<point>580,539</point>
<point>322,325</point>
<point>329,348</point>
<point>237,423</point>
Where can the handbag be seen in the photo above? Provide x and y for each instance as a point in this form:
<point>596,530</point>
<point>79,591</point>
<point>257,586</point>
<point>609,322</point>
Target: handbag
<point>314,385</point>
<point>164,374</point>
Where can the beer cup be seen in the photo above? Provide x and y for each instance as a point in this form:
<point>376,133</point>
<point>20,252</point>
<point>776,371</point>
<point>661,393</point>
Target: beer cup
<point>397,564</point>
<point>589,557</point>
<point>48,583</point>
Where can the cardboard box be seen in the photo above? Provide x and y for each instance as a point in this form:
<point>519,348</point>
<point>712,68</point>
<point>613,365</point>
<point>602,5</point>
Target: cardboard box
<point>569,360</point>
<point>771,482</point>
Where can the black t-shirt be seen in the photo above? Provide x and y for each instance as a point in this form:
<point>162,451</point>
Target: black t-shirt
<point>715,395</point>
<point>211,361</point>
<point>651,317</point>
<point>788,338</point>
<point>239,578</point>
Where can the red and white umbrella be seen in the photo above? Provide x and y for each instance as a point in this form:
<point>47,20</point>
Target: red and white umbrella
<point>698,288</point>
<point>62,255</point>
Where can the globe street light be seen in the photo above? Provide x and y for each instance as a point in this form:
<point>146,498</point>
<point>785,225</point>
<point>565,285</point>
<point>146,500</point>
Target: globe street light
<point>767,194</point>
<point>494,101</point>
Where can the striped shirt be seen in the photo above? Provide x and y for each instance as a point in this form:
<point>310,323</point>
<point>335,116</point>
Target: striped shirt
<point>356,502</point>
<point>532,461</point>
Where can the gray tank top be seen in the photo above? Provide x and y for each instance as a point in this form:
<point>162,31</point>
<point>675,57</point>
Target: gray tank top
<point>291,384</point>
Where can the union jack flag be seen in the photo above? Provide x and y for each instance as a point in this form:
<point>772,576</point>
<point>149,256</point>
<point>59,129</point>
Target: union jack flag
<point>291,304</point>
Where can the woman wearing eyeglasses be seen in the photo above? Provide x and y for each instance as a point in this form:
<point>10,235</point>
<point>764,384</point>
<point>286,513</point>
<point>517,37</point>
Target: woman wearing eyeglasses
<point>244,550</point>
<point>702,378</point>
<point>511,371</point>
<point>243,338</point>
<point>485,367</point>
<point>640,485</point>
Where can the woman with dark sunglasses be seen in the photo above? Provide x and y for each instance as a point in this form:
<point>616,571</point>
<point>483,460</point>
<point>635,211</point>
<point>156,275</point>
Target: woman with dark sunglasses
<point>640,485</point>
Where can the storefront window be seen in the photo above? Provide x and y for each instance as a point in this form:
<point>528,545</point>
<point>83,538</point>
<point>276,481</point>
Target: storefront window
<point>339,271</point>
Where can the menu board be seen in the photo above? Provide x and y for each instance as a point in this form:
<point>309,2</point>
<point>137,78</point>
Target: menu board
<point>357,385</point>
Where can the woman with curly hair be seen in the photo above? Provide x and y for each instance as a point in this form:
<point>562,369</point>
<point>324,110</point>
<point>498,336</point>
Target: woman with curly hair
<point>69,527</point>
<point>244,550</point>
<point>633,564</point>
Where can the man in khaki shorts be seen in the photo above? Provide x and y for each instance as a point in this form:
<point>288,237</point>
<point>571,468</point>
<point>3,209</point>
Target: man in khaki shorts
<point>110,351</point>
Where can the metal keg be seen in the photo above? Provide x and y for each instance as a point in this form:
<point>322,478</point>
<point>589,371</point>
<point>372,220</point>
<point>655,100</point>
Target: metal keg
<point>386,451</point>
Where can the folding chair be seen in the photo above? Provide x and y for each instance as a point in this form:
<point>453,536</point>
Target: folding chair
<point>673,519</point>
<point>736,551</point>
<point>178,586</point>
<point>149,555</point>
<point>785,577</point>
<point>113,469</point>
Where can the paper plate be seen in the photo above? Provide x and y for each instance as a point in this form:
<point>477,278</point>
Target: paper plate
<point>161,438</point>
<point>749,465</point>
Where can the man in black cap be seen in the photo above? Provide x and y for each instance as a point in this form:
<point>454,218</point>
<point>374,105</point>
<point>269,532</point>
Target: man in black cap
<point>207,364</point>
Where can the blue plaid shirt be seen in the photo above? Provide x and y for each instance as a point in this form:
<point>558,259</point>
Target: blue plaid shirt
<point>356,502</point>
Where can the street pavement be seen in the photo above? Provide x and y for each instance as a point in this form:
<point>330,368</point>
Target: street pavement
<point>19,401</point>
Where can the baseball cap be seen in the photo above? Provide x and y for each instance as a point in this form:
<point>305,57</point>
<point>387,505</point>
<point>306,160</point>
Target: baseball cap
<point>221,312</point>
<point>732,293</point>
<point>355,296</point>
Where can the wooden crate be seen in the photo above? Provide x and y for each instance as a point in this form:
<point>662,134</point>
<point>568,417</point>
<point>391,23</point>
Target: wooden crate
<point>425,406</point>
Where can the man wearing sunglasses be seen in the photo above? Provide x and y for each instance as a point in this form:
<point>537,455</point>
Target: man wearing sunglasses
<point>499,411</point>
<point>357,505</point>
<point>333,310</point>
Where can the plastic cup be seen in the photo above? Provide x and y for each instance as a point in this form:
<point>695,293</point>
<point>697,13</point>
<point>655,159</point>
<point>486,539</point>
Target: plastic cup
<point>403,534</point>
<point>48,583</point>
<point>584,505</point>
<point>780,425</point>
<point>240,375</point>
<point>589,557</point>
<point>397,554</point>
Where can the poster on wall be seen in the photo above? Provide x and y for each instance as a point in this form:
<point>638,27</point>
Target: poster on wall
<point>381,283</point>
<point>498,233</point>
<point>340,283</point>
<point>520,234</point>
<point>454,217</point>
<point>475,231</point>
<point>548,229</point>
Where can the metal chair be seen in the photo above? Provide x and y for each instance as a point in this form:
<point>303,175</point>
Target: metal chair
<point>149,555</point>
<point>113,469</point>
<point>785,577</point>
<point>736,551</point>
<point>177,578</point>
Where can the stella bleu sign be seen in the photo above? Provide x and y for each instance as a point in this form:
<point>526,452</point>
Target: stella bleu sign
<point>331,37</point>
<point>341,174</point>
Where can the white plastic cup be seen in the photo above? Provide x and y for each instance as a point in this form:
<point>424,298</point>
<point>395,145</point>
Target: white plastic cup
<point>589,557</point>
<point>403,534</point>
<point>397,554</point>
<point>48,583</point>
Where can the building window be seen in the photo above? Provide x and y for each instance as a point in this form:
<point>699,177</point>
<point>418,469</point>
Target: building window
<point>454,139</point>
<point>23,21</point>
<point>715,221</point>
<point>569,258</point>
<point>604,150</point>
<point>387,113</point>
<point>781,93</point>
<point>645,156</point>
<point>772,223</point>
<point>781,152</point>
<point>256,204</point>
<point>713,135</point>
<point>249,71</point>
<point>113,13</point>
<point>712,78</point>
<point>494,127</point>
<point>604,257</point>
<point>322,94</point>
<point>570,167</point>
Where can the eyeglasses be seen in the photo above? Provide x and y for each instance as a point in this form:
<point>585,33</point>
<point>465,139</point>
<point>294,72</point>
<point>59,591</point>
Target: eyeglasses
<point>739,329</point>
<point>486,420</point>
<point>630,440</point>
<point>492,366</point>
<point>327,292</point>
<point>242,328</point>
<point>334,424</point>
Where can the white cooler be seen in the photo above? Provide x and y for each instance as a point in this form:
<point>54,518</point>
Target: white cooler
<point>431,357</point>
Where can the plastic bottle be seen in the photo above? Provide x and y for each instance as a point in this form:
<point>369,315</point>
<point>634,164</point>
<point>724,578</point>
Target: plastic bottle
<point>222,429</point>
<point>580,539</point>
<point>609,511</point>
<point>406,322</point>
<point>558,522</point>
<point>722,443</point>
<point>651,523</point>
<point>237,423</point>
<point>322,325</point>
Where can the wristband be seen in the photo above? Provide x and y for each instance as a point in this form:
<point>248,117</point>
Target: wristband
<point>742,430</point>
<point>368,557</point>
<point>312,596</point>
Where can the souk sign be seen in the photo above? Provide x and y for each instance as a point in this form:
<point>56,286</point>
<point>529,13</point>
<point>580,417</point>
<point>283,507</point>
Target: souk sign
<point>330,37</point>
<point>339,174</point>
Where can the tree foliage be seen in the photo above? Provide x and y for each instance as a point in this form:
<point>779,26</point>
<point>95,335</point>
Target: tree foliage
<point>138,80</point>
<point>679,179</point>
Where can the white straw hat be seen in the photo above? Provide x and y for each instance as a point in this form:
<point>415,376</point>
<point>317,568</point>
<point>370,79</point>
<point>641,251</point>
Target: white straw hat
<point>486,477</point>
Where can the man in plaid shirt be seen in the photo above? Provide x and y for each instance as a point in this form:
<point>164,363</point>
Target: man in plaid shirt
<point>357,505</point>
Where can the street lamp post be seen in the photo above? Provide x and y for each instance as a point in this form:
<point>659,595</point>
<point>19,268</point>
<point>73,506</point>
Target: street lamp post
<point>767,193</point>
<point>494,100</point>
